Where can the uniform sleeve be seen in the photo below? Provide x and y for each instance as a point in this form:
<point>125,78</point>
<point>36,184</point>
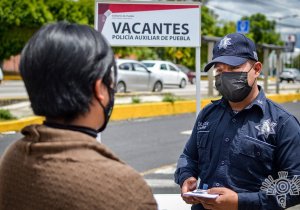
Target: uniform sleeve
<point>187,163</point>
<point>284,190</point>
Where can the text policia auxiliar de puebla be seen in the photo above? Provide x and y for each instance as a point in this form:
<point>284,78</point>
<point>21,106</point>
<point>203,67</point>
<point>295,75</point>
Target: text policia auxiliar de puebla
<point>150,31</point>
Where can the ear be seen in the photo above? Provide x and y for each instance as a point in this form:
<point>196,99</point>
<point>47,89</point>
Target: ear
<point>257,68</point>
<point>99,89</point>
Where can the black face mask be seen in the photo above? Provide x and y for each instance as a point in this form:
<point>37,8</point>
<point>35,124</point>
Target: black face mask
<point>108,109</point>
<point>233,86</point>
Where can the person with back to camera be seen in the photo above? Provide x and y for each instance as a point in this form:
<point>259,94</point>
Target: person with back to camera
<point>69,73</point>
<point>244,147</point>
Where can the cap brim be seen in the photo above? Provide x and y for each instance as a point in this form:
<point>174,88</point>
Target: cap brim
<point>229,60</point>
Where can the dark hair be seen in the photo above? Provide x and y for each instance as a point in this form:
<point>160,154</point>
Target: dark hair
<point>60,65</point>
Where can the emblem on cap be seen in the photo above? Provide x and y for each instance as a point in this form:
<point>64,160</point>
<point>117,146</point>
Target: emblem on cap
<point>224,42</point>
<point>255,55</point>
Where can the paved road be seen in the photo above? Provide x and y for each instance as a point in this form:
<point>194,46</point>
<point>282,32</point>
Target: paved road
<point>12,89</point>
<point>157,141</point>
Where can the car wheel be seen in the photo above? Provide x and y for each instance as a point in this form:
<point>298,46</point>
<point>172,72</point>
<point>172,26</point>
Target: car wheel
<point>182,83</point>
<point>121,87</point>
<point>157,87</point>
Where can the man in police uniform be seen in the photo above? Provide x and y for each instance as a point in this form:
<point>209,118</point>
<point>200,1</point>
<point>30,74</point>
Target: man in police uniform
<point>244,146</point>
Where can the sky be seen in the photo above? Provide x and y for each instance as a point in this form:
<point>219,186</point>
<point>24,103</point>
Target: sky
<point>286,13</point>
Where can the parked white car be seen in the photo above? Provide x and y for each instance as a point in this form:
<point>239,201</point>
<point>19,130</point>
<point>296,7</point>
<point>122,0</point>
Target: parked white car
<point>134,76</point>
<point>170,73</point>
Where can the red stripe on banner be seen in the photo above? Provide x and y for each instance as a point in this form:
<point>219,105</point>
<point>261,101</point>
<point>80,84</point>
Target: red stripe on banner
<point>102,8</point>
<point>115,8</point>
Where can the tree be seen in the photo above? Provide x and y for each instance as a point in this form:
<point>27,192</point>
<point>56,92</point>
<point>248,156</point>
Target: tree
<point>208,21</point>
<point>81,11</point>
<point>20,19</point>
<point>227,28</point>
<point>263,30</point>
<point>139,53</point>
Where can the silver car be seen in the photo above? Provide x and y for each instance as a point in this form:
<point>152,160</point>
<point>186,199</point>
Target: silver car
<point>170,73</point>
<point>134,76</point>
<point>290,74</point>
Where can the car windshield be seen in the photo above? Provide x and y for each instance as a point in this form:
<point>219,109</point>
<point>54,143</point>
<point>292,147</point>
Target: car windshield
<point>149,64</point>
<point>183,68</point>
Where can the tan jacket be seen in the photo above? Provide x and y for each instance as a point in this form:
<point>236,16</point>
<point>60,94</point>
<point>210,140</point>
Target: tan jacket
<point>51,169</point>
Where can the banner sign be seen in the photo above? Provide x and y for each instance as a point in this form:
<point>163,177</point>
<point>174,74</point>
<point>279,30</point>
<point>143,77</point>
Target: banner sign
<point>149,24</point>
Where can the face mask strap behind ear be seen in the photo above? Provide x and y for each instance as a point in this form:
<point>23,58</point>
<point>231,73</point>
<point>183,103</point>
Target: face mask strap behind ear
<point>247,75</point>
<point>108,109</point>
<point>109,79</point>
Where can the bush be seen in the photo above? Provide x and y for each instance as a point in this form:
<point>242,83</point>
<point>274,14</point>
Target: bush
<point>135,100</point>
<point>169,98</point>
<point>6,115</point>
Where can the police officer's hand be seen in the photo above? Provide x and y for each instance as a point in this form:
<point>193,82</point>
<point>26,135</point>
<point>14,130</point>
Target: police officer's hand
<point>227,199</point>
<point>189,184</point>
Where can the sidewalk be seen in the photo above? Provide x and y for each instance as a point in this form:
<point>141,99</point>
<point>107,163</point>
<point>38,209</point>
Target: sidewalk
<point>23,109</point>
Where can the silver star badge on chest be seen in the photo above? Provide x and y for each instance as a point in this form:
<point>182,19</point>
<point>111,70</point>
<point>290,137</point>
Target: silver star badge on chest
<point>266,128</point>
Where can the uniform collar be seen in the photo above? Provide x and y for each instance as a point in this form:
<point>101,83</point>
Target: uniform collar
<point>260,101</point>
<point>219,102</point>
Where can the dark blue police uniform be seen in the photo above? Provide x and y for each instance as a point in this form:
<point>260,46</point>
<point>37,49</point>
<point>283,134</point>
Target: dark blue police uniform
<point>244,152</point>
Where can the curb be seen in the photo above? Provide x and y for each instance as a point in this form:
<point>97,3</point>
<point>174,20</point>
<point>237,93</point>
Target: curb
<point>12,77</point>
<point>17,125</point>
<point>133,111</point>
